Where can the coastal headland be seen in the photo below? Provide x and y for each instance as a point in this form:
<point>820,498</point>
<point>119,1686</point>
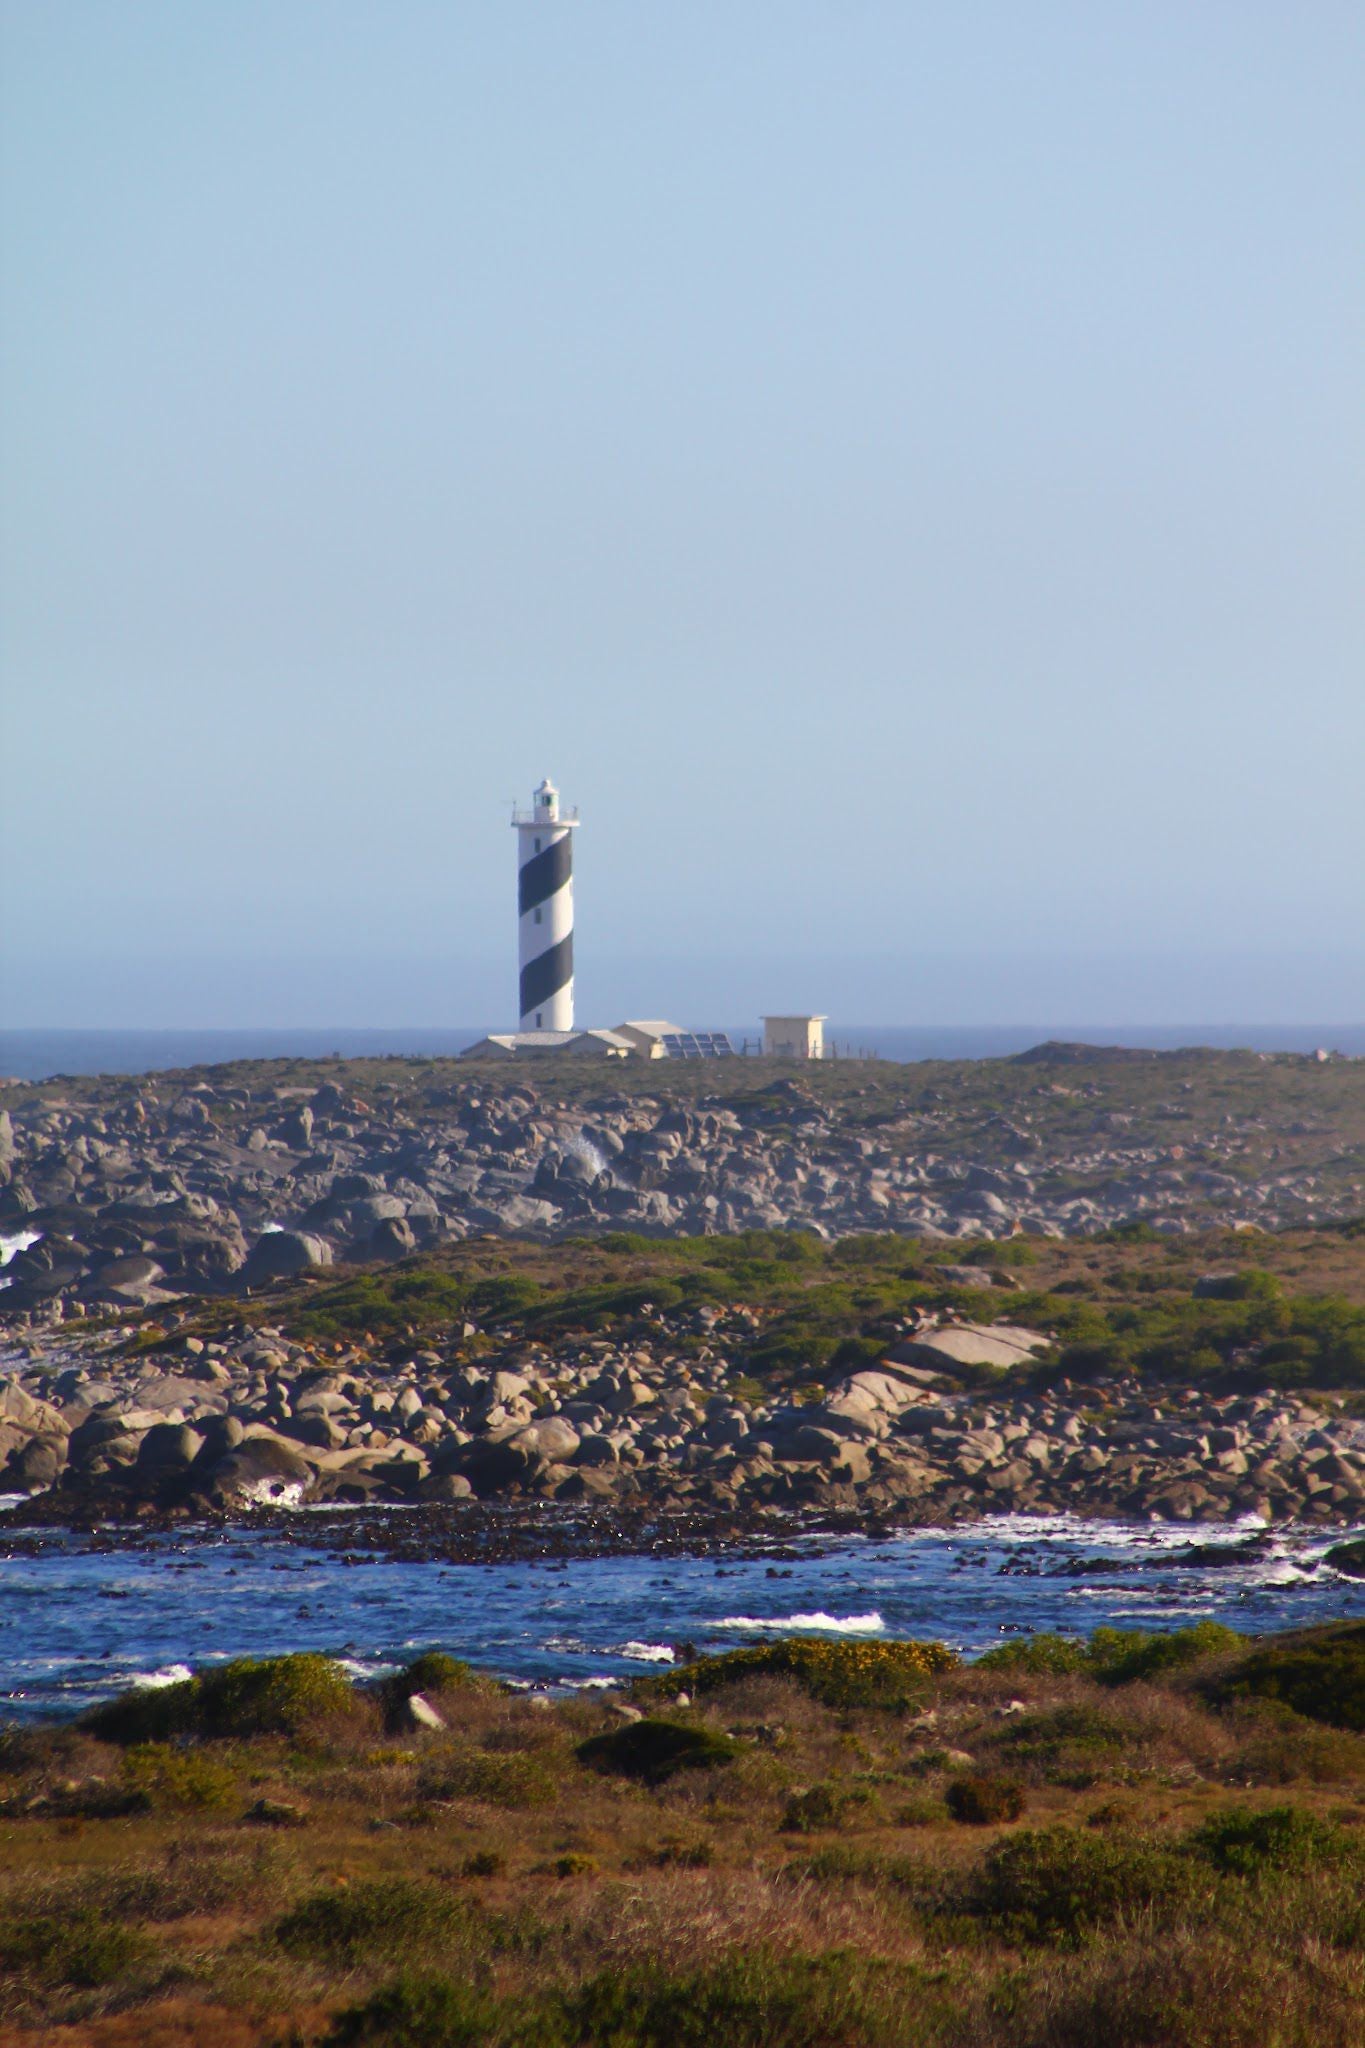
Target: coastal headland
<point>1091,1281</point>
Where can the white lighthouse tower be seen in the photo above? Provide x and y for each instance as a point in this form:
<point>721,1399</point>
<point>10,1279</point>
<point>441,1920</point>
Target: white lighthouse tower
<point>545,900</point>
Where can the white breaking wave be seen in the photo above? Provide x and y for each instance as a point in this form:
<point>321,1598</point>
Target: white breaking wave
<point>808,1624</point>
<point>272,1493</point>
<point>170,1674</point>
<point>593,1157</point>
<point>18,1242</point>
<point>645,1653</point>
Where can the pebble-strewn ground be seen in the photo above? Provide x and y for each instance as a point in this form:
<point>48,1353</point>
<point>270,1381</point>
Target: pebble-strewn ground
<point>223,1178</point>
<point>161,1218</point>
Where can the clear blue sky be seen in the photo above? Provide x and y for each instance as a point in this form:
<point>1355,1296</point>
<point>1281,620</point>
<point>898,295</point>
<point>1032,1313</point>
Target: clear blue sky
<point>897,465</point>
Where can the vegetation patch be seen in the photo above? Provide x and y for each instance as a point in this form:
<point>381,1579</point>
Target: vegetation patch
<point>982,1799</point>
<point>81,1949</point>
<point>351,1924</point>
<point>1115,1656</point>
<point>1249,1843</point>
<point>248,1696</point>
<point>881,1674</point>
<point>1322,1677</point>
<point>656,1749</point>
<point>1057,1884</point>
<point>498,1779</point>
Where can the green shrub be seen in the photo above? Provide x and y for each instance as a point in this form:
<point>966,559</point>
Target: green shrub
<point>883,1674</point>
<point>1121,1656</point>
<point>1321,1676</point>
<point>382,1917</point>
<point>178,1780</point>
<point>1247,1843</point>
<point>1114,1656</point>
<point>673,1854</point>
<point>484,1863</point>
<point>433,1671</point>
<point>752,1999</point>
<point>654,1749</point>
<point>514,1781</point>
<point>249,1696</point>
<point>821,1806</point>
<point>82,1949</point>
<point>1281,1747</point>
<point>423,2012</point>
<point>983,1800</point>
<point>1253,1283</point>
<point>917,1813</point>
<point>1057,1884</point>
<point>1043,1656</point>
<point>1066,1737</point>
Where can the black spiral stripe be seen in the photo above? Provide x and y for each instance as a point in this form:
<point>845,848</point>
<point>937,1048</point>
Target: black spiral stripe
<point>544,976</point>
<point>545,873</point>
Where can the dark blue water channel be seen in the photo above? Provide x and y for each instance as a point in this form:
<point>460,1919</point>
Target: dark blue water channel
<point>78,1621</point>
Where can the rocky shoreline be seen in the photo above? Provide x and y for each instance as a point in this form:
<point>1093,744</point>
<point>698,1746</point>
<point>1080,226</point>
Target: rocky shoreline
<point>103,1424</point>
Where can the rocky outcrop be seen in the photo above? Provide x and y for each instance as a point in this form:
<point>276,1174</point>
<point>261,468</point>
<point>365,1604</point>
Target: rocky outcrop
<point>254,1417</point>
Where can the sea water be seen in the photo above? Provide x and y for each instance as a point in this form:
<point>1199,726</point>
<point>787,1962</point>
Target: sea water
<point>80,1621</point>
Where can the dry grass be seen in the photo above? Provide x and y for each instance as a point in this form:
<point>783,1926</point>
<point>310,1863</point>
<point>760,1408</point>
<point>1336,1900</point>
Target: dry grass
<point>597,1906</point>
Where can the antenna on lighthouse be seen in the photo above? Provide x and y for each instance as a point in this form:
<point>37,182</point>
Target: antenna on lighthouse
<point>545,911</point>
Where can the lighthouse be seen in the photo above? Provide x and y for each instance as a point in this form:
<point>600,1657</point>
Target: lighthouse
<point>545,911</point>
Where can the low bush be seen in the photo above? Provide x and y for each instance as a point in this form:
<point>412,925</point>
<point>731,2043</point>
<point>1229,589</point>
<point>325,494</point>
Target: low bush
<point>382,1917</point>
<point>1322,1678</point>
<point>673,1854</point>
<point>1042,1656</point>
<point>861,1674</point>
<point>1123,1656</point>
<point>178,1780</point>
<point>821,1806</point>
<point>981,1800</point>
<point>248,1696</point>
<point>754,1999</point>
<point>424,2012</point>
<point>515,1781</point>
<point>1245,1842</point>
<point>655,1749</point>
<point>1066,1739</point>
<point>433,1671</point>
<point>1114,1656</point>
<point>917,1813</point>
<point>80,1949</point>
<point>1280,1747</point>
<point>1058,1884</point>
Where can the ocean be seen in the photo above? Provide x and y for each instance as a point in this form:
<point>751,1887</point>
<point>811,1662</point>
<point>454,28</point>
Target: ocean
<point>38,1055</point>
<point>81,1619</point>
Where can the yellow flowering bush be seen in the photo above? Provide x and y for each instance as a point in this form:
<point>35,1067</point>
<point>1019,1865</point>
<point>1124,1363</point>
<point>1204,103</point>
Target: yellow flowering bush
<point>841,1674</point>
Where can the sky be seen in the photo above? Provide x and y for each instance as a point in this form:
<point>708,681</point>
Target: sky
<point>898,467</point>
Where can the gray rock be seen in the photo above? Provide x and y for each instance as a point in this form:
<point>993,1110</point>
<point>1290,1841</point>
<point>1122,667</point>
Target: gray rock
<point>277,1254</point>
<point>260,1469</point>
<point>552,1437</point>
<point>169,1447</point>
<point>421,1714</point>
<point>393,1238</point>
<point>220,1434</point>
<point>40,1461</point>
<point>970,1344</point>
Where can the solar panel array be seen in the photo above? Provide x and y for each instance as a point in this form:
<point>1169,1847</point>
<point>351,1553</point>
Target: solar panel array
<point>696,1045</point>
